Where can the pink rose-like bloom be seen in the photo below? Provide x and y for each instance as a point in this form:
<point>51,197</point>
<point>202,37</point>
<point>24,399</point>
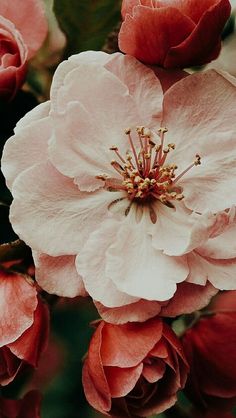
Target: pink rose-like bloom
<point>134,370</point>
<point>22,32</point>
<point>173,33</point>
<point>210,347</point>
<point>28,407</point>
<point>24,325</point>
<point>146,237</point>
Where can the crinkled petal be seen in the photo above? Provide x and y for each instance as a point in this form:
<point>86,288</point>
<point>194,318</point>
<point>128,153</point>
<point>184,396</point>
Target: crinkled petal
<point>29,19</point>
<point>138,311</point>
<point>148,33</point>
<point>91,265</point>
<point>122,380</point>
<point>203,44</point>
<point>178,231</point>
<point>155,371</point>
<point>34,340</point>
<point>51,205</point>
<point>116,340</point>
<point>220,273</point>
<point>29,144</point>
<point>221,244</point>
<point>188,298</point>
<point>58,275</point>
<point>96,370</point>
<point>17,316</point>
<point>144,87</point>
<point>79,148</point>
<point>65,67</point>
<point>199,112</point>
<point>144,272</point>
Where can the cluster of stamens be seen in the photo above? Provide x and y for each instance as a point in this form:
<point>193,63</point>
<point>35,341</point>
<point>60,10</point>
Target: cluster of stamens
<point>145,173</point>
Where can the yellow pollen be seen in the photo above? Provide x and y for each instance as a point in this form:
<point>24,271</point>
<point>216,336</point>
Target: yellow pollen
<point>144,172</point>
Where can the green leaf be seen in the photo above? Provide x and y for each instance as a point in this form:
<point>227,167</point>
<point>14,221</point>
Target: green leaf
<point>86,23</point>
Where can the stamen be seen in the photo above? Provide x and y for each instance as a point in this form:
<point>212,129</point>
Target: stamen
<point>127,132</point>
<point>114,148</point>
<point>196,162</point>
<point>117,167</point>
<point>144,172</point>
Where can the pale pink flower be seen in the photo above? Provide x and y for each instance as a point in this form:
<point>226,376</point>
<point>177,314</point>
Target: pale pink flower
<point>23,28</point>
<point>93,175</point>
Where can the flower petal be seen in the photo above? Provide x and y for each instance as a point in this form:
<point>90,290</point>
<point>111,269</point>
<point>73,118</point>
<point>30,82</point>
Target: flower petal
<point>95,358</point>
<point>116,341</point>
<point>17,316</point>
<point>58,275</point>
<point>34,340</point>
<point>122,380</point>
<point>143,85</point>
<point>149,33</point>
<point>138,311</point>
<point>52,206</point>
<point>155,371</point>
<point>144,272</point>
<point>204,126</point>
<point>203,44</point>
<point>29,144</point>
<point>220,273</point>
<point>178,231</point>
<point>74,61</point>
<point>91,264</point>
<point>188,298</point>
<point>29,19</point>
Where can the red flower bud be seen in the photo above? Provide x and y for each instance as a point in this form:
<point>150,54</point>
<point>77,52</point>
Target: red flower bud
<point>134,369</point>
<point>173,33</point>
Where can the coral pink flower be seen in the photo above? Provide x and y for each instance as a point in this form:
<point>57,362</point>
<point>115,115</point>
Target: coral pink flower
<point>129,200</point>
<point>210,347</point>
<point>22,31</point>
<point>26,349</point>
<point>173,33</point>
<point>28,407</point>
<point>138,379</point>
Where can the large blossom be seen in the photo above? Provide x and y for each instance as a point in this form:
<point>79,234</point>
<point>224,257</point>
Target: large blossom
<point>108,172</point>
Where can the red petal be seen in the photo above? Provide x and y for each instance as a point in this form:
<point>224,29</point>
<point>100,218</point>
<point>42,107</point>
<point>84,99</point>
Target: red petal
<point>150,33</point>
<point>34,340</point>
<point>117,349</point>
<point>122,381</point>
<point>17,316</point>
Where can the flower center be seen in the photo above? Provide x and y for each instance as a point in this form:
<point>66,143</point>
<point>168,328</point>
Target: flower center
<point>145,173</point>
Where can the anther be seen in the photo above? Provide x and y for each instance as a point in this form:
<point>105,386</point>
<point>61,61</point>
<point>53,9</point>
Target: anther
<point>198,160</point>
<point>162,130</point>
<point>151,143</point>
